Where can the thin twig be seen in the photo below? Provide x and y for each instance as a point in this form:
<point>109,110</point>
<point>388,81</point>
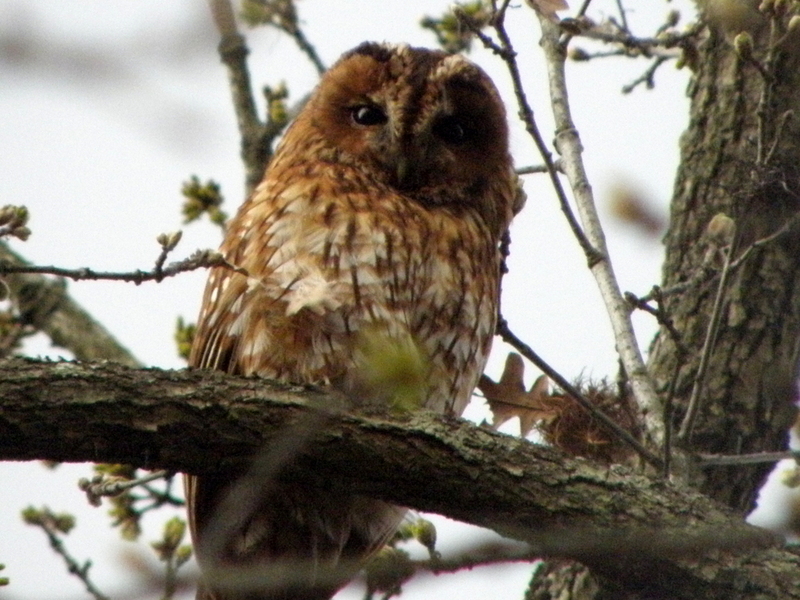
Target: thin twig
<point>509,337</point>
<point>661,316</point>
<point>46,520</point>
<point>669,409</point>
<point>687,425</point>
<point>584,7</point>
<point>622,17</point>
<point>507,53</point>
<point>700,275</point>
<point>201,259</point>
<point>479,556</point>
<point>785,228</point>
<point>766,70</point>
<point>604,54</point>
<point>724,460</point>
<point>705,272</point>
<point>531,170</point>
<point>44,305</point>
<point>680,353</point>
<point>100,486</point>
<point>663,45</point>
<point>305,46</point>
<point>780,129</point>
<point>161,497</point>
<point>647,77</point>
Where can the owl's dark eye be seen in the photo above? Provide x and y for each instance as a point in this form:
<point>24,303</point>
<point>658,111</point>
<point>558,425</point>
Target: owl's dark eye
<point>451,130</point>
<point>367,114</point>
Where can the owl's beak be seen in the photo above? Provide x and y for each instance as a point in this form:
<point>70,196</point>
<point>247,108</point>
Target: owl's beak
<point>411,165</point>
<point>402,170</point>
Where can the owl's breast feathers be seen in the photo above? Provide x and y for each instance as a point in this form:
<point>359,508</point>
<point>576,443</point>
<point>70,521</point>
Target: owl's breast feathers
<point>325,261</point>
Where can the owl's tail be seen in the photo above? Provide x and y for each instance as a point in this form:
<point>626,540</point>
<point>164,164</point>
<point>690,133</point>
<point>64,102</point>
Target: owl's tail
<point>284,542</point>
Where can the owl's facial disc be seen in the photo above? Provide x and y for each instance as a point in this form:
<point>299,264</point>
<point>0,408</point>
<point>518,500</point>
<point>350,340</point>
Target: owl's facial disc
<point>420,121</point>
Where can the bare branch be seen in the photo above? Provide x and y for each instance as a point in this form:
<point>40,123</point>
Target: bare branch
<point>622,16</point>
<point>508,54</point>
<point>53,526</point>
<point>661,316</point>
<point>255,140</point>
<point>201,259</point>
<point>289,24</point>
<point>569,146</point>
<point>719,460</point>
<point>648,77</point>
<point>622,525</point>
<point>788,226</point>
<point>531,170</point>
<point>44,304</point>
<point>666,44</point>
<point>693,408</point>
<point>100,486</point>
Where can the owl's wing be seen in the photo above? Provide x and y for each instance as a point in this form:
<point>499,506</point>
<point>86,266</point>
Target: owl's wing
<point>240,311</point>
<point>215,341</point>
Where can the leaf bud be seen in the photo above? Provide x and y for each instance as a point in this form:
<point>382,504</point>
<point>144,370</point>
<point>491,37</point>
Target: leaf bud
<point>720,229</point>
<point>743,42</point>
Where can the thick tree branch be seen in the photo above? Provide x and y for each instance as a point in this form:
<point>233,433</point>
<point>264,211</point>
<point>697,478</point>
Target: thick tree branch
<point>647,535</point>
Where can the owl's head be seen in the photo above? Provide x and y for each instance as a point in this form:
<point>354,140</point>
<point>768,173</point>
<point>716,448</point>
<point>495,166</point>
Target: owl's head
<point>428,124</point>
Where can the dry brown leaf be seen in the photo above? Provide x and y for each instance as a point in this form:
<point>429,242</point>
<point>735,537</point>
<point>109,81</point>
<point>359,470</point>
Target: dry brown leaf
<point>508,399</point>
<point>563,422</point>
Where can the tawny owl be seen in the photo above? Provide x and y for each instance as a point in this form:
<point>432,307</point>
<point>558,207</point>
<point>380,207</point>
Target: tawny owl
<point>381,210</point>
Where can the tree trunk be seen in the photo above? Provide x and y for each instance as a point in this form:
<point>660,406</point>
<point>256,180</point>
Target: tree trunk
<point>741,157</point>
<point>729,166</point>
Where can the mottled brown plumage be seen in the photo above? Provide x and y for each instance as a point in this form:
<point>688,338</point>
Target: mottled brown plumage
<point>381,210</point>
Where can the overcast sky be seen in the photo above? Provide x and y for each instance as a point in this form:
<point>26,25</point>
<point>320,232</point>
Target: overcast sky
<point>108,106</point>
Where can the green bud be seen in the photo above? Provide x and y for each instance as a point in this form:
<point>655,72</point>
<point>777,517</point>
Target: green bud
<point>425,533</point>
<point>673,18</point>
<point>743,42</point>
<point>64,522</point>
<point>32,516</point>
<point>22,233</point>
<point>174,530</point>
<point>578,54</point>
<point>182,555</point>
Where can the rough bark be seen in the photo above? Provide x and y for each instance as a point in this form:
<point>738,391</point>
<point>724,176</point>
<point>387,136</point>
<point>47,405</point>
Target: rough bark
<point>740,156</point>
<point>645,535</point>
<point>748,398</point>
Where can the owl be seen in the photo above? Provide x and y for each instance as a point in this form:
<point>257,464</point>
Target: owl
<point>381,211</point>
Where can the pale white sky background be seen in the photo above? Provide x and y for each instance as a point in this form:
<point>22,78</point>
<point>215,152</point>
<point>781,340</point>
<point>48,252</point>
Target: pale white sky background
<point>106,107</point>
